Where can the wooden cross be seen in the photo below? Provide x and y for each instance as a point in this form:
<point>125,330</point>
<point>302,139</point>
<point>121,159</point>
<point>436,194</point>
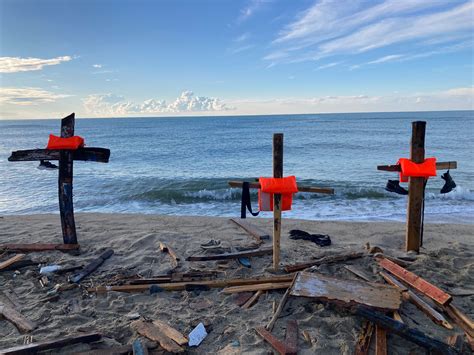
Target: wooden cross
<point>66,159</point>
<point>278,173</point>
<point>416,186</point>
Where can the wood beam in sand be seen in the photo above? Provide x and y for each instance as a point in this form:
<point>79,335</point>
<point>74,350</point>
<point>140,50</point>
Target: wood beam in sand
<point>325,260</point>
<point>36,247</point>
<point>226,256</point>
<point>253,231</point>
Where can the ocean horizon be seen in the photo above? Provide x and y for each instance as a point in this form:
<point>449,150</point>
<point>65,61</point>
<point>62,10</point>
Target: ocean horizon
<point>181,165</point>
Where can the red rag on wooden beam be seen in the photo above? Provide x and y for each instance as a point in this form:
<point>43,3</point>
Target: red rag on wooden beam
<point>269,186</point>
<point>71,143</point>
<point>410,169</point>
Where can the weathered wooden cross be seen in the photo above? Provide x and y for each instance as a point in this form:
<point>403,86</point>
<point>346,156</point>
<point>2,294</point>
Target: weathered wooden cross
<point>416,186</point>
<point>278,173</point>
<point>66,159</point>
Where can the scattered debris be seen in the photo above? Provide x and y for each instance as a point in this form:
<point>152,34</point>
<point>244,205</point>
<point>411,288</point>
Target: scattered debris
<point>236,255</point>
<point>11,261</point>
<point>197,335</point>
<point>322,240</point>
<point>174,258</point>
<point>289,346</point>
<point>252,299</point>
<point>324,260</point>
<point>90,268</point>
<point>278,311</point>
<point>154,333</point>
<point>245,262</point>
<point>28,248</point>
<point>364,338</point>
<point>257,287</point>
<point>380,340</point>
<point>211,244</point>
<point>12,315</point>
<point>170,332</point>
<point>253,231</point>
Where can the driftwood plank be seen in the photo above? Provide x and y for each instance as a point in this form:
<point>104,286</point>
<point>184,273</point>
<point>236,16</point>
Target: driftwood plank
<point>236,255</point>
<point>404,331</point>
<point>346,292</point>
<point>29,248</point>
<point>423,286</point>
<point>252,300</point>
<point>176,277</point>
<point>278,311</point>
<point>170,332</point>
<point>174,258</point>
<point>177,286</point>
<point>276,344</point>
<point>51,344</point>
<point>363,340</point>
<point>291,337</point>
<point>99,155</point>
<point>90,268</point>
<point>380,340</point>
<point>154,333</point>
<point>19,265</point>
<point>23,324</point>
<point>324,260</point>
<point>408,295</point>
<point>356,271</point>
<point>460,319</point>
<point>257,287</point>
<point>12,260</point>
<point>253,231</point>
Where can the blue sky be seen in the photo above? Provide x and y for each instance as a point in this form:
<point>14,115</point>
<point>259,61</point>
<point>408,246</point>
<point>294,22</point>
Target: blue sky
<point>107,58</point>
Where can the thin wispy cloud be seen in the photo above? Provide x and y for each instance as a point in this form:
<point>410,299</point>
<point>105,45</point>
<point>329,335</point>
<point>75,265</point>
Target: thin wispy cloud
<point>97,66</point>
<point>18,64</point>
<point>27,96</point>
<point>387,58</point>
<point>327,28</point>
<point>243,37</point>
<point>250,9</point>
<point>115,105</point>
<point>327,66</point>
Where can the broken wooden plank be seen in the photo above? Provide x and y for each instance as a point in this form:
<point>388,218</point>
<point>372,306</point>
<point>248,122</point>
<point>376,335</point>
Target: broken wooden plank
<point>51,344</point>
<point>460,319</point>
<point>380,340</point>
<point>289,346</point>
<point>176,277</point>
<point>363,340</point>
<point>408,295</point>
<point>236,255</point>
<point>423,286</point>
<point>174,258</point>
<point>276,344</point>
<point>253,231</point>
<point>242,297</point>
<point>442,165</point>
<point>404,331</point>
<point>278,311</point>
<point>23,324</point>
<point>154,333</point>
<point>177,286</point>
<point>99,155</point>
<point>12,260</point>
<point>324,260</point>
<point>256,185</point>
<point>28,248</point>
<point>90,268</point>
<point>346,292</point>
<point>359,273</point>
<point>19,265</point>
<point>252,300</point>
<point>171,332</point>
<point>257,287</point>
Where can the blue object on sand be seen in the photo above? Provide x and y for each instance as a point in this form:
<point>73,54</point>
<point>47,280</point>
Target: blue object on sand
<point>155,289</point>
<point>244,262</point>
<point>197,335</point>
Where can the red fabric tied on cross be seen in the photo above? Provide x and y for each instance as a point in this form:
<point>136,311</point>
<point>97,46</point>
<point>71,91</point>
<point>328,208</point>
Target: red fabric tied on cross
<point>269,186</point>
<point>410,169</point>
<point>71,143</point>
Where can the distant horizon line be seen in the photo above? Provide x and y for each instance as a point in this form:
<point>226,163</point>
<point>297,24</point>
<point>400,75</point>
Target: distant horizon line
<point>242,115</point>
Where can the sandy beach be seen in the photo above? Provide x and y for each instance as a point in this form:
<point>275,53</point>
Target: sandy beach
<point>446,260</point>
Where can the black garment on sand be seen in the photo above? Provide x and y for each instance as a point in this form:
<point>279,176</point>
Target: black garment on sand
<point>322,240</point>
<point>246,203</point>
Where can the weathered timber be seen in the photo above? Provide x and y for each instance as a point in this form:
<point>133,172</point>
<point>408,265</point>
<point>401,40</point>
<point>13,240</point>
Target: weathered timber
<point>171,332</point>
<point>278,311</point>
<point>256,185</point>
<point>174,258</point>
<point>460,319</point>
<point>241,298</point>
<point>289,346</point>
<point>33,348</point>
<point>423,286</point>
<point>346,292</point>
<point>276,344</point>
<point>257,287</point>
<point>445,165</point>
<point>324,260</point>
<point>19,265</point>
<point>404,331</point>
<point>66,207</point>
<point>90,268</point>
<point>226,256</point>
<point>175,277</point>
<point>177,286</point>
<point>12,315</point>
<point>363,340</point>
<point>99,155</point>
<point>11,261</point>
<point>402,263</point>
<point>408,295</point>
<point>277,173</point>
<point>253,231</point>
<point>154,333</point>
<point>380,340</point>
<point>252,300</point>
<point>117,350</point>
<point>359,273</point>
<point>29,248</point>
<point>415,189</point>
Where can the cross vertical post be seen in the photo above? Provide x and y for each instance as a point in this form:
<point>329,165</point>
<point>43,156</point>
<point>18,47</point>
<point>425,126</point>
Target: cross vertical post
<point>277,173</point>
<point>415,189</point>
<point>66,208</point>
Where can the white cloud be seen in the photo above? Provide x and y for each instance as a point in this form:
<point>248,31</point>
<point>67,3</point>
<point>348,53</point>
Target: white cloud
<point>17,64</point>
<point>27,96</point>
<point>187,102</point>
<point>387,58</point>
<point>329,65</point>
<point>250,9</point>
<point>98,66</point>
<point>242,38</point>
<point>327,28</point>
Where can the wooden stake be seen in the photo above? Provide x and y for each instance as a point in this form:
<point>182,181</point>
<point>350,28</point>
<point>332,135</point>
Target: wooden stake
<point>415,189</point>
<point>277,173</point>
<point>66,208</point>
<point>252,299</point>
<point>283,300</point>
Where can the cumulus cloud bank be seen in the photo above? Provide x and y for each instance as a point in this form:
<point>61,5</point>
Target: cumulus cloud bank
<point>27,96</point>
<point>17,64</point>
<point>115,105</point>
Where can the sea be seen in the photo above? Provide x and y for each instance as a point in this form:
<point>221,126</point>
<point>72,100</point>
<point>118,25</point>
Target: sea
<point>181,165</point>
